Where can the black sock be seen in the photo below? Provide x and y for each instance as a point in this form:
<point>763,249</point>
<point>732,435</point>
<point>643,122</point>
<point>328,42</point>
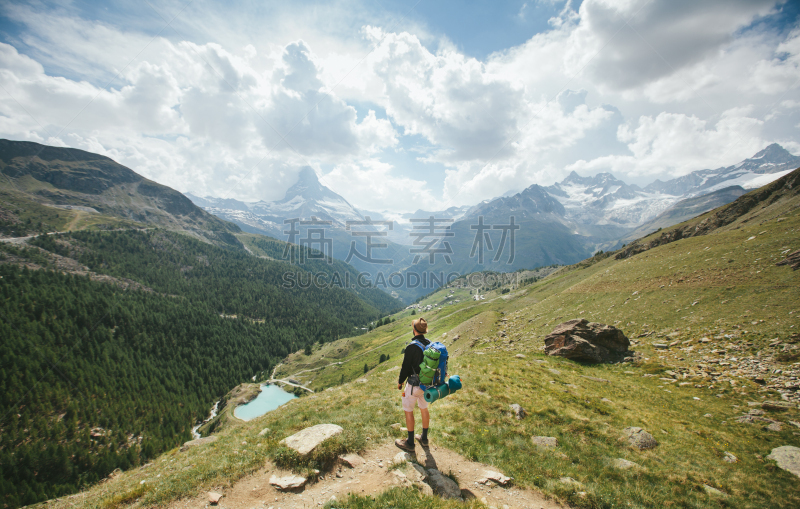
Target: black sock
<point>411,438</point>
<point>424,434</point>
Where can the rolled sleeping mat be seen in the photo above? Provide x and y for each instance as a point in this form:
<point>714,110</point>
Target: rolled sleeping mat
<point>434,393</point>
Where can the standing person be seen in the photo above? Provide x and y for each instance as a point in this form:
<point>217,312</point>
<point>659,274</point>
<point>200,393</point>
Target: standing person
<point>413,394</point>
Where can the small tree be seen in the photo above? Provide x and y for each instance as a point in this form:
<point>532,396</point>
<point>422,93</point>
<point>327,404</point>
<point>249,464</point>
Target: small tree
<point>383,358</point>
<point>413,311</point>
<point>308,350</point>
<point>366,368</point>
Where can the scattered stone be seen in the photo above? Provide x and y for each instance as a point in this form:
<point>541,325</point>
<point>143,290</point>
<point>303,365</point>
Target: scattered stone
<point>395,426</point>
<point>773,426</point>
<point>401,457</point>
<point>569,480</point>
<point>787,457</point>
<point>554,371</point>
<point>520,356</point>
<point>352,460</point>
<point>714,491</point>
<point>795,424</point>
<point>756,411</point>
<point>308,439</point>
<point>595,379</point>
<point>199,441</point>
<point>660,346</point>
<point>443,485</point>
<point>264,432</point>
<point>730,457</point>
<point>491,475</point>
<point>624,464</point>
<point>639,438</point>
<point>708,415</point>
<point>777,406</point>
<point>290,482</point>
<point>584,341</point>
<point>519,412</point>
<point>213,497</point>
<point>545,441</point>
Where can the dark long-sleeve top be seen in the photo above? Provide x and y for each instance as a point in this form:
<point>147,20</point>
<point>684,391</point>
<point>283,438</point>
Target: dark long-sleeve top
<point>412,359</point>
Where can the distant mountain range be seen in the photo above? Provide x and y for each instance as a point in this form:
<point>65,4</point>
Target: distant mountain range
<point>558,224</point>
<point>561,223</point>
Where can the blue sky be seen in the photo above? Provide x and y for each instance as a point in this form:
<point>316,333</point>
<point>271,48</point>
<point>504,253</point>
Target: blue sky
<point>460,101</point>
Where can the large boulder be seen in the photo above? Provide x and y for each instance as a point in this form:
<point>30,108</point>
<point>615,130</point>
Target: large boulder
<point>585,341</point>
<point>787,457</point>
<point>308,439</point>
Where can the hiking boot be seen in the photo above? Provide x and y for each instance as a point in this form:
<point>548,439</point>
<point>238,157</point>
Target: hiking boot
<point>403,444</point>
<point>423,443</point>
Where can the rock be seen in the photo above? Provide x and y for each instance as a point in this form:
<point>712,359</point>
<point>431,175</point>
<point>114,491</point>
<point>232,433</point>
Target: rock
<point>708,415</point>
<point>352,460</point>
<point>624,464</point>
<point>520,356</point>
<point>213,497</point>
<point>264,432</point>
<point>519,412</point>
<point>714,491</point>
<point>787,457</point>
<point>730,458</point>
<point>545,441</point>
<point>554,371</point>
<point>199,441</point>
<point>639,438</point>
<point>777,406</point>
<point>773,426</point>
<point>443,485</point>
<point>396,426</point>
<point>308,439</point>
<point>491,475</point>
<point>595,379</point>
<point>756,411</point>
<point>290,482</point>
<point>402,457</point>
<point>569,480</point>
<point>584,341</point>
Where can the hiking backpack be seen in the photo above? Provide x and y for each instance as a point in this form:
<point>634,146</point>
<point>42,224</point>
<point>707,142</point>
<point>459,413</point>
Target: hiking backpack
<point>433,370</point>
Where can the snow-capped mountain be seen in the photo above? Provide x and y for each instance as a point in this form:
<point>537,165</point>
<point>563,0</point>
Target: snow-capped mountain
<point>767,165</point>
<point>606,200</point>
<point>307,198</point>
<point>604,207</point>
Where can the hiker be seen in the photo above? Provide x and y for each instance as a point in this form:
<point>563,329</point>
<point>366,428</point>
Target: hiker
<point>413,394</point>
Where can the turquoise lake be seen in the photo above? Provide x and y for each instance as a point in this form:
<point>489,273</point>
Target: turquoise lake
<point>270,398</point>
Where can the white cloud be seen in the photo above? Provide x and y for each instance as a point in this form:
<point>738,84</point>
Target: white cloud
<point>372,185</point>
<point>207,114</point>
<point>626,45</point>
<point>675,144</point>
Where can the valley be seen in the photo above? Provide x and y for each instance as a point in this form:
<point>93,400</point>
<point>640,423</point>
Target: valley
<point>712,318</point>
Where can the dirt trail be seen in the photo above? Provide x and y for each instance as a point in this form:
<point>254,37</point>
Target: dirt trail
<point>371,478</point>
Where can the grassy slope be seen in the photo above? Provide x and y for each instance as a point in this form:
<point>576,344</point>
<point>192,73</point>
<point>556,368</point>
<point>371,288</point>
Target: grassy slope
<point>732,279</point>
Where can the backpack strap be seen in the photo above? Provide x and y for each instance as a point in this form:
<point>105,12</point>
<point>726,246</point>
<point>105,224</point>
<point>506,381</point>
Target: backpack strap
<point>421,347</point>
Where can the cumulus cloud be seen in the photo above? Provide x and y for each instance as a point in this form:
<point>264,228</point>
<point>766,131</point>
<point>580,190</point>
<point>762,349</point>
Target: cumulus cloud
<point>642,88</point>
<point>373,185</point>
<point>629,44</point>
<point>673,144</point>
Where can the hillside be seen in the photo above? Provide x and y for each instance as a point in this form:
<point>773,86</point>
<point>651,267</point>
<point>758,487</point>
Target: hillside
<point>713,319</point>
<point>70,189</point>
<point>116,343</point>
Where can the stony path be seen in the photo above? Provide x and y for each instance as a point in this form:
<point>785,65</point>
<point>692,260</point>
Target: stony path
<point>371,478</point>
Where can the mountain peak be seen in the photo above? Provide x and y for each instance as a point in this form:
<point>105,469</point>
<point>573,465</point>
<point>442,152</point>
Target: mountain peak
<point>307,186</point>
<point>774,153</point>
